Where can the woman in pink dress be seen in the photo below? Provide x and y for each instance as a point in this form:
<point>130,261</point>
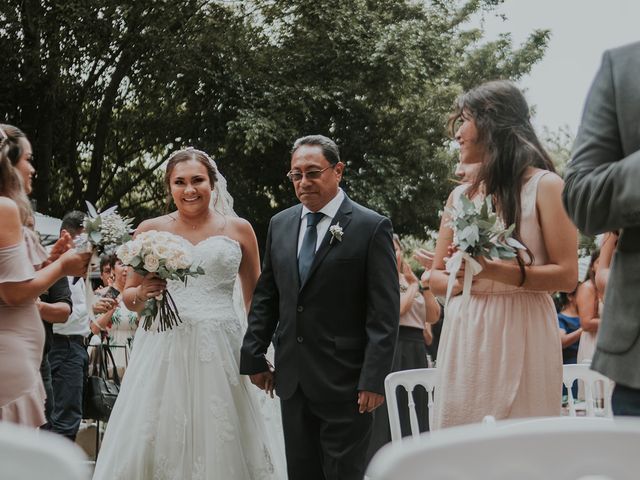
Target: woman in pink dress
<point>503,357</point>
<point>21,333</point>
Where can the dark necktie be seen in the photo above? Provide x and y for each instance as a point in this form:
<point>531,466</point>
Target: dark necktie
<point>308,249</point>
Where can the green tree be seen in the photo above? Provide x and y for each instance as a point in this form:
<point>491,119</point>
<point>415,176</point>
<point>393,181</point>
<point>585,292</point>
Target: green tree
<point>106,89</point>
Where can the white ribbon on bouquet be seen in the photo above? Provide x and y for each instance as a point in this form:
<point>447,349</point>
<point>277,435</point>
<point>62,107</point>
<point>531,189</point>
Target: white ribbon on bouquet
<point>471,269</point>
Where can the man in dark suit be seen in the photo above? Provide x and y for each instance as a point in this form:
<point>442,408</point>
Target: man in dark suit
<point>329,298</point>
<point>601,194</point>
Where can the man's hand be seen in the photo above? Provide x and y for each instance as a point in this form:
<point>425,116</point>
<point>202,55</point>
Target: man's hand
<point>369,401</point>
<point>264,381</point>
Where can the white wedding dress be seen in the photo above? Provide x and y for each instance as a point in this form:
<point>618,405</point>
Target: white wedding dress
<point>184,411</point>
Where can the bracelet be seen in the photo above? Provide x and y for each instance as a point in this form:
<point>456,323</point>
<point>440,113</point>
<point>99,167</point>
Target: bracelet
<point>136,298</point>
<point>422,288</point>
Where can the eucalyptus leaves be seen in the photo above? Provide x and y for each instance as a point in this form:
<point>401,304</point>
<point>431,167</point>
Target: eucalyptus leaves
<point>478,231</point>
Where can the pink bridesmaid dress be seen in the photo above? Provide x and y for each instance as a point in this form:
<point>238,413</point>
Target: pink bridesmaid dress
<point>503,357</point>
<point>22,393</point>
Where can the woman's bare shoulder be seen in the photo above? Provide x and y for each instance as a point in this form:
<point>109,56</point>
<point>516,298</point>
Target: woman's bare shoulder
<point>162,223</point>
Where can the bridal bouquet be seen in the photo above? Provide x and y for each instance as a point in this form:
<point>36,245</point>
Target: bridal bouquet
<point>165,255</point>
<point>477,232</point>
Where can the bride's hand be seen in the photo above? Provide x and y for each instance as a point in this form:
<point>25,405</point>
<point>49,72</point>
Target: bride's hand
<point>264,381</point>
<point>151,286</point>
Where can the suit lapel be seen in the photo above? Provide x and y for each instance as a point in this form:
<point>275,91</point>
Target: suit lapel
<point>343,217</point>
<point>290,244</point>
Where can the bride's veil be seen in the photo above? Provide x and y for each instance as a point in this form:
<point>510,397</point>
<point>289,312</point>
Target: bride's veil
<point>222,202</point>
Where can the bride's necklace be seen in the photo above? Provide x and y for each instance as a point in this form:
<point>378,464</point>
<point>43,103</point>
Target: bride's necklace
<point>194,226</point>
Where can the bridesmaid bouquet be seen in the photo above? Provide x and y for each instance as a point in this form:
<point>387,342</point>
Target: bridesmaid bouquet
<point>165,255</point>
<point>103,233</point>
<point>477,232</point>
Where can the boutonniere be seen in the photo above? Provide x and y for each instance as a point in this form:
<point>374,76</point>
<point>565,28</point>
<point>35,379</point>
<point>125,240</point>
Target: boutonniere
<point>336,233</point>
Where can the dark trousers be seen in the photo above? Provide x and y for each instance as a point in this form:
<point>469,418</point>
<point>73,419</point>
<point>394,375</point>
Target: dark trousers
<point>69,360</point>
<point>325,440</point>
<point>625,401</point>
<point>45,373</point>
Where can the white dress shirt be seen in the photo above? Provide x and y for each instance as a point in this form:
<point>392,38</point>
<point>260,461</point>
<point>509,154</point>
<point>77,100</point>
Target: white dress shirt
<point>78,321</point>
<point>330,210</point>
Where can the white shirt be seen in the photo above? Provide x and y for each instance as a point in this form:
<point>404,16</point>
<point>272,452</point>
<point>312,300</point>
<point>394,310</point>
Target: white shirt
<point>330,210</point>
<point>78,321</point>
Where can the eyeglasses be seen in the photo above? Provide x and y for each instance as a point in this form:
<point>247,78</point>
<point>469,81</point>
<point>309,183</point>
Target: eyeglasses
<point>311,174</point>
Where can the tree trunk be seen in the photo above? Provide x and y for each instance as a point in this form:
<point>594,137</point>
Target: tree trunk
<point>102,126</point>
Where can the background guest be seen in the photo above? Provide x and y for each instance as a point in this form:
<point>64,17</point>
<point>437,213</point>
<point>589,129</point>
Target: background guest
<point>118,322</point>
<point>54,306</point>
<point>589,304</point>
<point>418,309</point>
<point>68,356</point>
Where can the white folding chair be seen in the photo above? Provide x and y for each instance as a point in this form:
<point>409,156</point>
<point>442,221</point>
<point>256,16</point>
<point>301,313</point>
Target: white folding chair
<point>595,384</point>
<point>27,454</point>
<point>552,448</point>
<point>408,379</point>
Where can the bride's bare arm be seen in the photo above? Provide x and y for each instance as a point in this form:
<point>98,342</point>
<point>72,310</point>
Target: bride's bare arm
<point>250,265</point>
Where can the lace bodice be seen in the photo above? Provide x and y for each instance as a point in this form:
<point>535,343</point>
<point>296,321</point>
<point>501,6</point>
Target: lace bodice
<point>209,296</point>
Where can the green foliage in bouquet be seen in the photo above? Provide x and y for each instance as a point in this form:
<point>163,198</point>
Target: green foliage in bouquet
<point>106,230</point>
<point>479,231</point>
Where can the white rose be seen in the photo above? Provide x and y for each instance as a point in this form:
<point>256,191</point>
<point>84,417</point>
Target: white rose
<point>161,250</point>
<point>172,264</point>
<point>134,247</point>
<point>151,263</point>
<point>184,260</point>
<point>124,253</point>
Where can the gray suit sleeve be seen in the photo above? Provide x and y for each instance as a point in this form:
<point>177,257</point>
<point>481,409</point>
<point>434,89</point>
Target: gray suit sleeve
<point>601,184</point>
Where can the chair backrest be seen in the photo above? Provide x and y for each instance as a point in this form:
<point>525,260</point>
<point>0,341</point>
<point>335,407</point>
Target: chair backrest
<point>554,448</point>
<point>27,453</point>
<point>408,379</point>
<point>596,387</point>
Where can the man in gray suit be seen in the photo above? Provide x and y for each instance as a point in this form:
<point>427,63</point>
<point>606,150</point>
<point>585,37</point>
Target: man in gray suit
<point>601,194</point>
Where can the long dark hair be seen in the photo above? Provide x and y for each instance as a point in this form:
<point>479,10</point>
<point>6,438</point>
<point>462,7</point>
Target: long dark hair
<point>501,115</point>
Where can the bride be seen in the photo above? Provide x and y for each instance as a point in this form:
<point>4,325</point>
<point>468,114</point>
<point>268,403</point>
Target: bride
<point>183,411</point>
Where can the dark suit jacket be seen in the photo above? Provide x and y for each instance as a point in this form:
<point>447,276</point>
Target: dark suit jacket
<point>602,193</point>
<point>335,335</point>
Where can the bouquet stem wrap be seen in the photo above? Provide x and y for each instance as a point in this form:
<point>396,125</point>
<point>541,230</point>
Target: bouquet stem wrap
<point>472,268</point>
